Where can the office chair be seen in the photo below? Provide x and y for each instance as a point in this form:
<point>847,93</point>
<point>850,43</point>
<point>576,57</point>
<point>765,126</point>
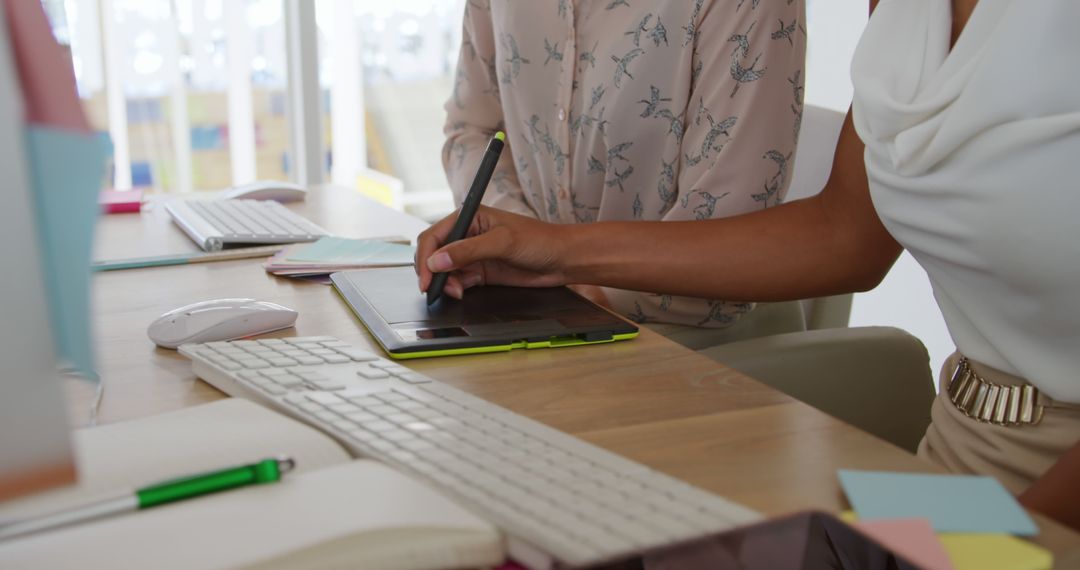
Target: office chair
<point>813,163</point>
<point>875,378</point>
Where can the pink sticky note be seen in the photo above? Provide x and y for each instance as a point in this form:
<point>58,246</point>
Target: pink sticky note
<point>45,73</point>
<point>914,539</point>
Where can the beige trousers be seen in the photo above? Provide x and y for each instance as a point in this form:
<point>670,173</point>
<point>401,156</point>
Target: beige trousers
<point>1015,455</point>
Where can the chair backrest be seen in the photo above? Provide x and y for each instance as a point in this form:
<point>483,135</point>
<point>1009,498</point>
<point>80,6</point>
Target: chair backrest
<point>813,164</point>
<point>817,145</point>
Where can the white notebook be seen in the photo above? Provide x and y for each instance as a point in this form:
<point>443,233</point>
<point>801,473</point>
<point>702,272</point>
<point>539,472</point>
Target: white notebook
<point>331,512</point>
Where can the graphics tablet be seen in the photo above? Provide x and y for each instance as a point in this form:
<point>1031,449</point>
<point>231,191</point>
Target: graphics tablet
<point>488,319</point>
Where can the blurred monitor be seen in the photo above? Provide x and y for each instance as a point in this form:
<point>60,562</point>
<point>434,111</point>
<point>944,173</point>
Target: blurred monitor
<point>35,446</point>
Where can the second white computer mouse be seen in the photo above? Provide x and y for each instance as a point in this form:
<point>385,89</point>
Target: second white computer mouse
<point>266,190</point>
<point>220,319</point>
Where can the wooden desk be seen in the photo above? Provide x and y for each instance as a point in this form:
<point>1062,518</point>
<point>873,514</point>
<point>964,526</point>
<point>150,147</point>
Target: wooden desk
<point>648,399</point>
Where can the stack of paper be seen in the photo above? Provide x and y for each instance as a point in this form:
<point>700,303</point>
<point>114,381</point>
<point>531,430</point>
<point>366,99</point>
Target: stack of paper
<point>330,254</point>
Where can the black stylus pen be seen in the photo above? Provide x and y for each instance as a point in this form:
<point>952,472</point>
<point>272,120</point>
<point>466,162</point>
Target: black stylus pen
<point>469,208</point>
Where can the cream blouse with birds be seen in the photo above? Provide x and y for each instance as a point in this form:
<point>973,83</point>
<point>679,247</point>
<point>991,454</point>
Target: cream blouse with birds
<point>631,110</point>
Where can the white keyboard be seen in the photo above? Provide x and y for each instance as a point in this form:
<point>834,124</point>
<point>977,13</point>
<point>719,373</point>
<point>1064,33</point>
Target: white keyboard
<point>216,223</point>
<point>560,500</point>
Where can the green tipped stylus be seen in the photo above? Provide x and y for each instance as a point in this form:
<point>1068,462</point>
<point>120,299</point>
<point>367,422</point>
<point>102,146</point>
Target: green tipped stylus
<point>265,471</point>
<point>469,208</point>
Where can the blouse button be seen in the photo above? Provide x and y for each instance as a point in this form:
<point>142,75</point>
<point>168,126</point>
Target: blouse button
<point>562,114</point>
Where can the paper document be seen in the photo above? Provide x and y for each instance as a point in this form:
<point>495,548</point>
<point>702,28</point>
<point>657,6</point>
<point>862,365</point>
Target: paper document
<point>346,251</point>
<point>332,254</point>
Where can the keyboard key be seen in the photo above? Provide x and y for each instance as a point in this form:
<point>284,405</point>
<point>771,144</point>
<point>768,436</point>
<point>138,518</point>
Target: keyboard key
<point>281,361</point>
<point>272,389</point>
<point>381,409</point>
<point>304,339</point>
<point>413,378</point>
<point>396,435</point>
<point>400,418</point>
<point>380,427</point>
<point>343,425</point>
<point>366,401</point>
<point>418,426</point>
<point>417,445</point>
<point>343,407</point>
<point>361,417</point>
<point>324,398</point>
<point>335,358</point>
<point>358,355</point>
<point>397,399</point>
<point>372,373</point>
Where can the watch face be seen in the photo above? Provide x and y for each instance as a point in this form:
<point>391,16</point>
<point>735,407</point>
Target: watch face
<point>806,541</point>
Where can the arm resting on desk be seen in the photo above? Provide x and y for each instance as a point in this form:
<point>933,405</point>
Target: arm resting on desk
<point>1056,494</point>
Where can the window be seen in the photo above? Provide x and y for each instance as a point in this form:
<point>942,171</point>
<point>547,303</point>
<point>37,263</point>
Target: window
<point>195,93</point>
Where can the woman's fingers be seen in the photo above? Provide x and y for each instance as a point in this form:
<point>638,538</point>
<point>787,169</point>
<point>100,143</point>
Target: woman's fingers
<point>428,241</point>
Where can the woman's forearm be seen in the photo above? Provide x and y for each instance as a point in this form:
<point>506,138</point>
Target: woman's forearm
<point>791,252</point>
<point>828,244</point>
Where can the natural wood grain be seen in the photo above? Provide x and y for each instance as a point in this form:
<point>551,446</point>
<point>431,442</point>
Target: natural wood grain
<point>648,399</point>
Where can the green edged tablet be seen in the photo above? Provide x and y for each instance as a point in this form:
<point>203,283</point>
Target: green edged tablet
<point>488,319</point>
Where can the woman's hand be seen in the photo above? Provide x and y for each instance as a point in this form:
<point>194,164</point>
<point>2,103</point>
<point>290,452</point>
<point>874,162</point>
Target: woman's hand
<point>500,248</point>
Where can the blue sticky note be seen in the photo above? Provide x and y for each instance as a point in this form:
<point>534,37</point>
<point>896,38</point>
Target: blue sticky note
<point>66,171</point>
<point>952,503</point>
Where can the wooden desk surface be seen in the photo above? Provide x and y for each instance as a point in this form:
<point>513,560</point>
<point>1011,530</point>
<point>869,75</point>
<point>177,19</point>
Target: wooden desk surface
<point>648,399</point>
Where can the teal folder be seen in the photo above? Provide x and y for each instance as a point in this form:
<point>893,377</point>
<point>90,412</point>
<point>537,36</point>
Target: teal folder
<point>66,173</point>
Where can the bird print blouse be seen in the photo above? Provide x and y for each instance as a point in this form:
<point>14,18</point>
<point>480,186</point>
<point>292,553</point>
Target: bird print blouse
<point>631,110</point>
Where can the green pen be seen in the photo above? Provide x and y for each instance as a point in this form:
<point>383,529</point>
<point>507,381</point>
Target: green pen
<point>265,471</point>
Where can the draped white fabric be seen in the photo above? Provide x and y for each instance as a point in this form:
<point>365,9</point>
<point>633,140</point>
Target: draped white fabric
<point>973,156</point>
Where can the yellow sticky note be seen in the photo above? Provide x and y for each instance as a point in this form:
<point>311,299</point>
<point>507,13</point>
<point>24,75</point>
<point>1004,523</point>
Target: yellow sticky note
<point>975,551</point>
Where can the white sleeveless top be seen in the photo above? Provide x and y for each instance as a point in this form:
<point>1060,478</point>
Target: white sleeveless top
<point>973,159</point>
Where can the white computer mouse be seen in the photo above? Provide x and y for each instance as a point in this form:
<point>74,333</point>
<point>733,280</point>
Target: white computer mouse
<point>266,190</point>
<point>220,319</point>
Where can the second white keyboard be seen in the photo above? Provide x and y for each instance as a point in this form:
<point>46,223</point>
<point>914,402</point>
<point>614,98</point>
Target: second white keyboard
<point>214,224</point>
<point>559,499</point>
